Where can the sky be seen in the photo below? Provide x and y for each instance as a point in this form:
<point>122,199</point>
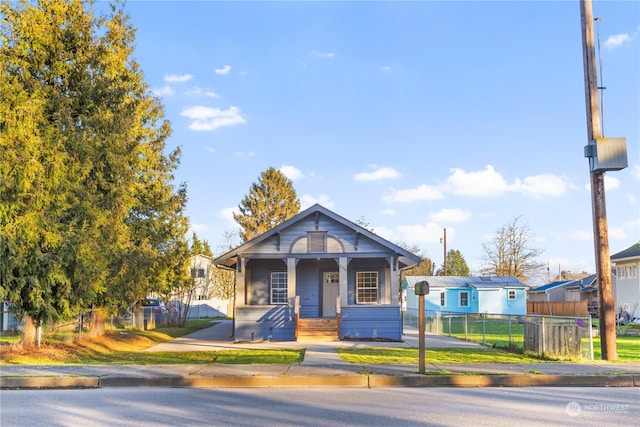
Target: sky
<point>411,116</point>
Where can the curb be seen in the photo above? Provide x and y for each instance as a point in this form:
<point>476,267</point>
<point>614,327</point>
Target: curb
<point>355,381</point>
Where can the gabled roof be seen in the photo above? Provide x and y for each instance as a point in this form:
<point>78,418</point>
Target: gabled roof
<point>407,258</point>
<point>478,282</point>
<point>631,253</point>
<point>549,286</point>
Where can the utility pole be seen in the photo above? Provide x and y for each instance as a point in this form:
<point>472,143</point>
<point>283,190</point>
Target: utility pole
<point>445,252</point>
<point>599,210</point>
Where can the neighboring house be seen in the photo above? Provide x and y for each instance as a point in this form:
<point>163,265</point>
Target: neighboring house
<point>462,294</point>
<point>202,304</point>
<point>8,319</point>
<point>626,284</point>
<point>581,288</point>
<point>200,266</point>
<point>317,268</point>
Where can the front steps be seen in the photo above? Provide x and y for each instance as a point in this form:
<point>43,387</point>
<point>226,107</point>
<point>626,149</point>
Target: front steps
<point>321,329</point>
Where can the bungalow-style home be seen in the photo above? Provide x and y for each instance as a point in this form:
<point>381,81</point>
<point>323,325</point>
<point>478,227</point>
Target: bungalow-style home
<point>317,273</point>
<point>461,294</point>
<point>626,285</point>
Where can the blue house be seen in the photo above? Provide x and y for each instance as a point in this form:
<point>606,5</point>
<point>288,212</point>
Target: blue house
<point>461,294</point>
<point>317,275</point>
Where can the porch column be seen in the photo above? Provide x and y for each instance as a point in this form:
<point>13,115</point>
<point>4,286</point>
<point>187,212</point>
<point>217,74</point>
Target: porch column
<point>291,277</point>
<point>241,294</point>
<point>343,263</point>
<point>394,282</point>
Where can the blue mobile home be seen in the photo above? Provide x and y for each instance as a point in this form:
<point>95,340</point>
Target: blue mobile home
<point>317,274</point>
<point>461,294</point>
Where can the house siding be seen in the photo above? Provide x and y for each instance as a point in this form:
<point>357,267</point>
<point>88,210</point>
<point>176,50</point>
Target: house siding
<point>384,322</point>
<point>265,323</point>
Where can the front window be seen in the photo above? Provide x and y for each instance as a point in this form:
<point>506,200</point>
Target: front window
<point>512,294</point>
<point>279,293</point>
<point>443,300</point>
<point>464,299</point>
<point>366,287</point>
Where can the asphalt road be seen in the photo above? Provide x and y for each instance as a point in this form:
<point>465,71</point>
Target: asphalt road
<point>531,406</point>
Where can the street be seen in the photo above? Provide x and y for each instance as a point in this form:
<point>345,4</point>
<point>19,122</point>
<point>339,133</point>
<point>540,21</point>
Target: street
<point>532,406</point>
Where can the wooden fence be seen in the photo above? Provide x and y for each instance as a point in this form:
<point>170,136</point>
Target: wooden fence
<point>558,308</point>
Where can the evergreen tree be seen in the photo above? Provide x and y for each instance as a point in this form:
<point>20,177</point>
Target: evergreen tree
<point>456,265</point>
<point>88,213</point>
<point>271,201</point>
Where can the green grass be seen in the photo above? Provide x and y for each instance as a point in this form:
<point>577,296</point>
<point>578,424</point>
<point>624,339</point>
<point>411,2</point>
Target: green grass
<point>628,348</point>
<point>406,356</point>
<point>126,347</point>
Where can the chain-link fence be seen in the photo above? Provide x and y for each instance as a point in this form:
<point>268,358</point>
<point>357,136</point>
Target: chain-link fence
<point>548,336</point>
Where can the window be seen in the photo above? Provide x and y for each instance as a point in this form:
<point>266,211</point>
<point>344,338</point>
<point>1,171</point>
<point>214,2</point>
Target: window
<point>279,293</point>
<point>366,287</point>
<point>512,294</point>
<point>464,299</point>
<point>317,241</point>
<point>443,300</point>
<point>197,272</point>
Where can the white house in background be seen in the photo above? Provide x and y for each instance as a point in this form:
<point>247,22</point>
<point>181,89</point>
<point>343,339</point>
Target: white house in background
<point>200,266</point>
<point>202,304</point>
<point>626,286</point>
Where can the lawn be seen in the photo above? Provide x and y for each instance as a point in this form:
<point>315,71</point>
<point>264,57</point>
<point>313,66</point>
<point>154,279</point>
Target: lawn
<point>408,356</point>
<point>126,347</point>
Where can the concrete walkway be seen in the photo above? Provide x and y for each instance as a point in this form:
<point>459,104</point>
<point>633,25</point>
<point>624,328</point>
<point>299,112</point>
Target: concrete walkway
<point>321,367</point>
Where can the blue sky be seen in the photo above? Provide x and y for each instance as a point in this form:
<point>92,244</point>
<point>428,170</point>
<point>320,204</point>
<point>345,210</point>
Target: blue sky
<point>413,116</point>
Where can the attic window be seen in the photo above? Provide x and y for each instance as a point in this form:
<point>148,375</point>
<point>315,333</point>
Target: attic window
<point>317,242</point>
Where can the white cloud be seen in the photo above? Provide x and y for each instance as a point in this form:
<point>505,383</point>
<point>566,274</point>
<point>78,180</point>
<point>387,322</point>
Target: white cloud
<point>211,149</point>
<point>245,154</point>
<point>323,55</point>
<point>450,215</point>
<point>616,40</point>
<point>378,174</point>
<point>199,228</point>
<point>177,78</point>
<point>291,172</point>
<point>486,182</point>
<point>422,192</point>
<point>323,199</point>
<point>577,235</point>
<point>223,71</point>
<point>617,233</point>
<point>419,233</point>
<point>163,91</point>
<point>388,212</point>
<point>489,182</point>
<point>209,119</point>
<point>227,215</point>
<point>611,182</point>
<point>385,69</point>
<point>201,92</point>
<point>635,172</point>
<point>384,232</point>
<point>538,186</point>
<point>631,198</point>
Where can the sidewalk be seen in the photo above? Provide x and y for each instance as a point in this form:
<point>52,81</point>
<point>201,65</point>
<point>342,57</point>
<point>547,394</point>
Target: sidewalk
<point>321,367</point>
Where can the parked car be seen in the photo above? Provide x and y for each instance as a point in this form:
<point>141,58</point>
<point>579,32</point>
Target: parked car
<point>155,307</point>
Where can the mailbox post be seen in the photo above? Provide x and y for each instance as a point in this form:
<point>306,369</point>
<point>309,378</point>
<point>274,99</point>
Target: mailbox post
<point>421,289</point>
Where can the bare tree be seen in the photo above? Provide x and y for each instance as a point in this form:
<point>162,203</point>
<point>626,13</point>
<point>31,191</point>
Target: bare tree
<point>509,253</point>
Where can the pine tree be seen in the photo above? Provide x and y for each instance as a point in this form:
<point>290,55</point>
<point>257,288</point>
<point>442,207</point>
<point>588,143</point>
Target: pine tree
<point>271,201</point>
<point>88,211</point>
